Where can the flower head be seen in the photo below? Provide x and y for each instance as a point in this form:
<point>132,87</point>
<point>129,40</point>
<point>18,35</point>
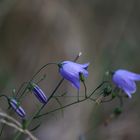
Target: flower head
<point>125,80</point>
<point>73,72</point>
<point>15,105</point>
<point>38,93</point>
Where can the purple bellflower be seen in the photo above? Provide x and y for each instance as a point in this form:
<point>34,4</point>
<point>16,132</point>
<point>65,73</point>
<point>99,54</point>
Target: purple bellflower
<point>15,105</point>
<point>125,80</point>
<point>73,72</point>
<point>38,93</point>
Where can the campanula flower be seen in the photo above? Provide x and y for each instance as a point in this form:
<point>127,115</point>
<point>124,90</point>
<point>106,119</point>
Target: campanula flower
<point>125,80</point>
<point>15,105</point>
<point>73,72</point>
<point>38,93</point>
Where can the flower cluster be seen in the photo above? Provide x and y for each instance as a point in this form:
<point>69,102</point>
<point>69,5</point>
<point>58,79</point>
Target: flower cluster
<point>76,73</point>
<point>123,79</point>
<point>37,92</point>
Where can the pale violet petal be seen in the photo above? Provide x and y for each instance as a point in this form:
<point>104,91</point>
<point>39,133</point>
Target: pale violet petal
<point>70,71</point>
<point>85,66</point>
<point>128,74</point>
<point>122,80</point>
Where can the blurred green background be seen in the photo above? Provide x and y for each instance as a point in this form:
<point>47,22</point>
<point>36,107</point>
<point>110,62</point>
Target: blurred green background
<point>107,32</point>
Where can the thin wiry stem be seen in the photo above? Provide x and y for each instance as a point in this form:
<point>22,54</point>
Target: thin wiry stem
<point>20,88</point>
<point>66,96</point>
<point>77,57</point>
<point>78,95</point>
<point>58,85</point>
<point>41,70</point>
<point>85,89</point>
<point>105,101</point>
<point>3,126</point>
<point>4,97</point>
<point>59,108</point>
<point>94,100</point>
<point>28,83</point>
<point>121,100</point>
<point>76,102</point>
<point>94,91</point>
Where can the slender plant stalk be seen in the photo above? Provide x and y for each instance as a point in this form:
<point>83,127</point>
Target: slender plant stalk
<point>76,102</point>
<point>41,70</point>
<point>60,82</point>
<point>85,89</point>
<point>17,136</point>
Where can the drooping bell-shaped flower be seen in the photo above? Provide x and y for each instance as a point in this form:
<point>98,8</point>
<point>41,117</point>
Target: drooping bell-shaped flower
<point>73,72</point>
<point>38,93</point>
<point>15,105</point>
<point>125,80</point>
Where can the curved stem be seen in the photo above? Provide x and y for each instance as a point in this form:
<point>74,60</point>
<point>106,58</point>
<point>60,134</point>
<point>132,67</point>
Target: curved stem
<point>44,66</point>
<point>94,100</point>
<point>60,108</point>
<point>78,95</point>
<point>17,136</point>
<point>121,100</point>
<point>105,101</point>
<point>41,70</point>
<point>76,102</point>
<point>1,131</point>
<point>77,57</point>
<point>58,85</point>
<point>21,87</point>
<point>4,97</point>
<point>97,88</point>
<point>85,89</point>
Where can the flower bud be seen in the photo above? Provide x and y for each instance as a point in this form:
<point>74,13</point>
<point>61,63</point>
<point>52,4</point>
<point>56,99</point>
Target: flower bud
<point>15,105</point>
<point>117,111</point>
<point>107,91</point>
<point>38,93</point>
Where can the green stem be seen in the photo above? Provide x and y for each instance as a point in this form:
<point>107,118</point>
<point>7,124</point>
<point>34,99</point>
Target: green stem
<point>17,136</point>
<point>20,88</point>
<point>34,77</point>
<point>6,97</point>
<point>85,89</point>
<point>76,102</point>
<point>41,70</point>
<point>3,126</point>
<point>60,82</point>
